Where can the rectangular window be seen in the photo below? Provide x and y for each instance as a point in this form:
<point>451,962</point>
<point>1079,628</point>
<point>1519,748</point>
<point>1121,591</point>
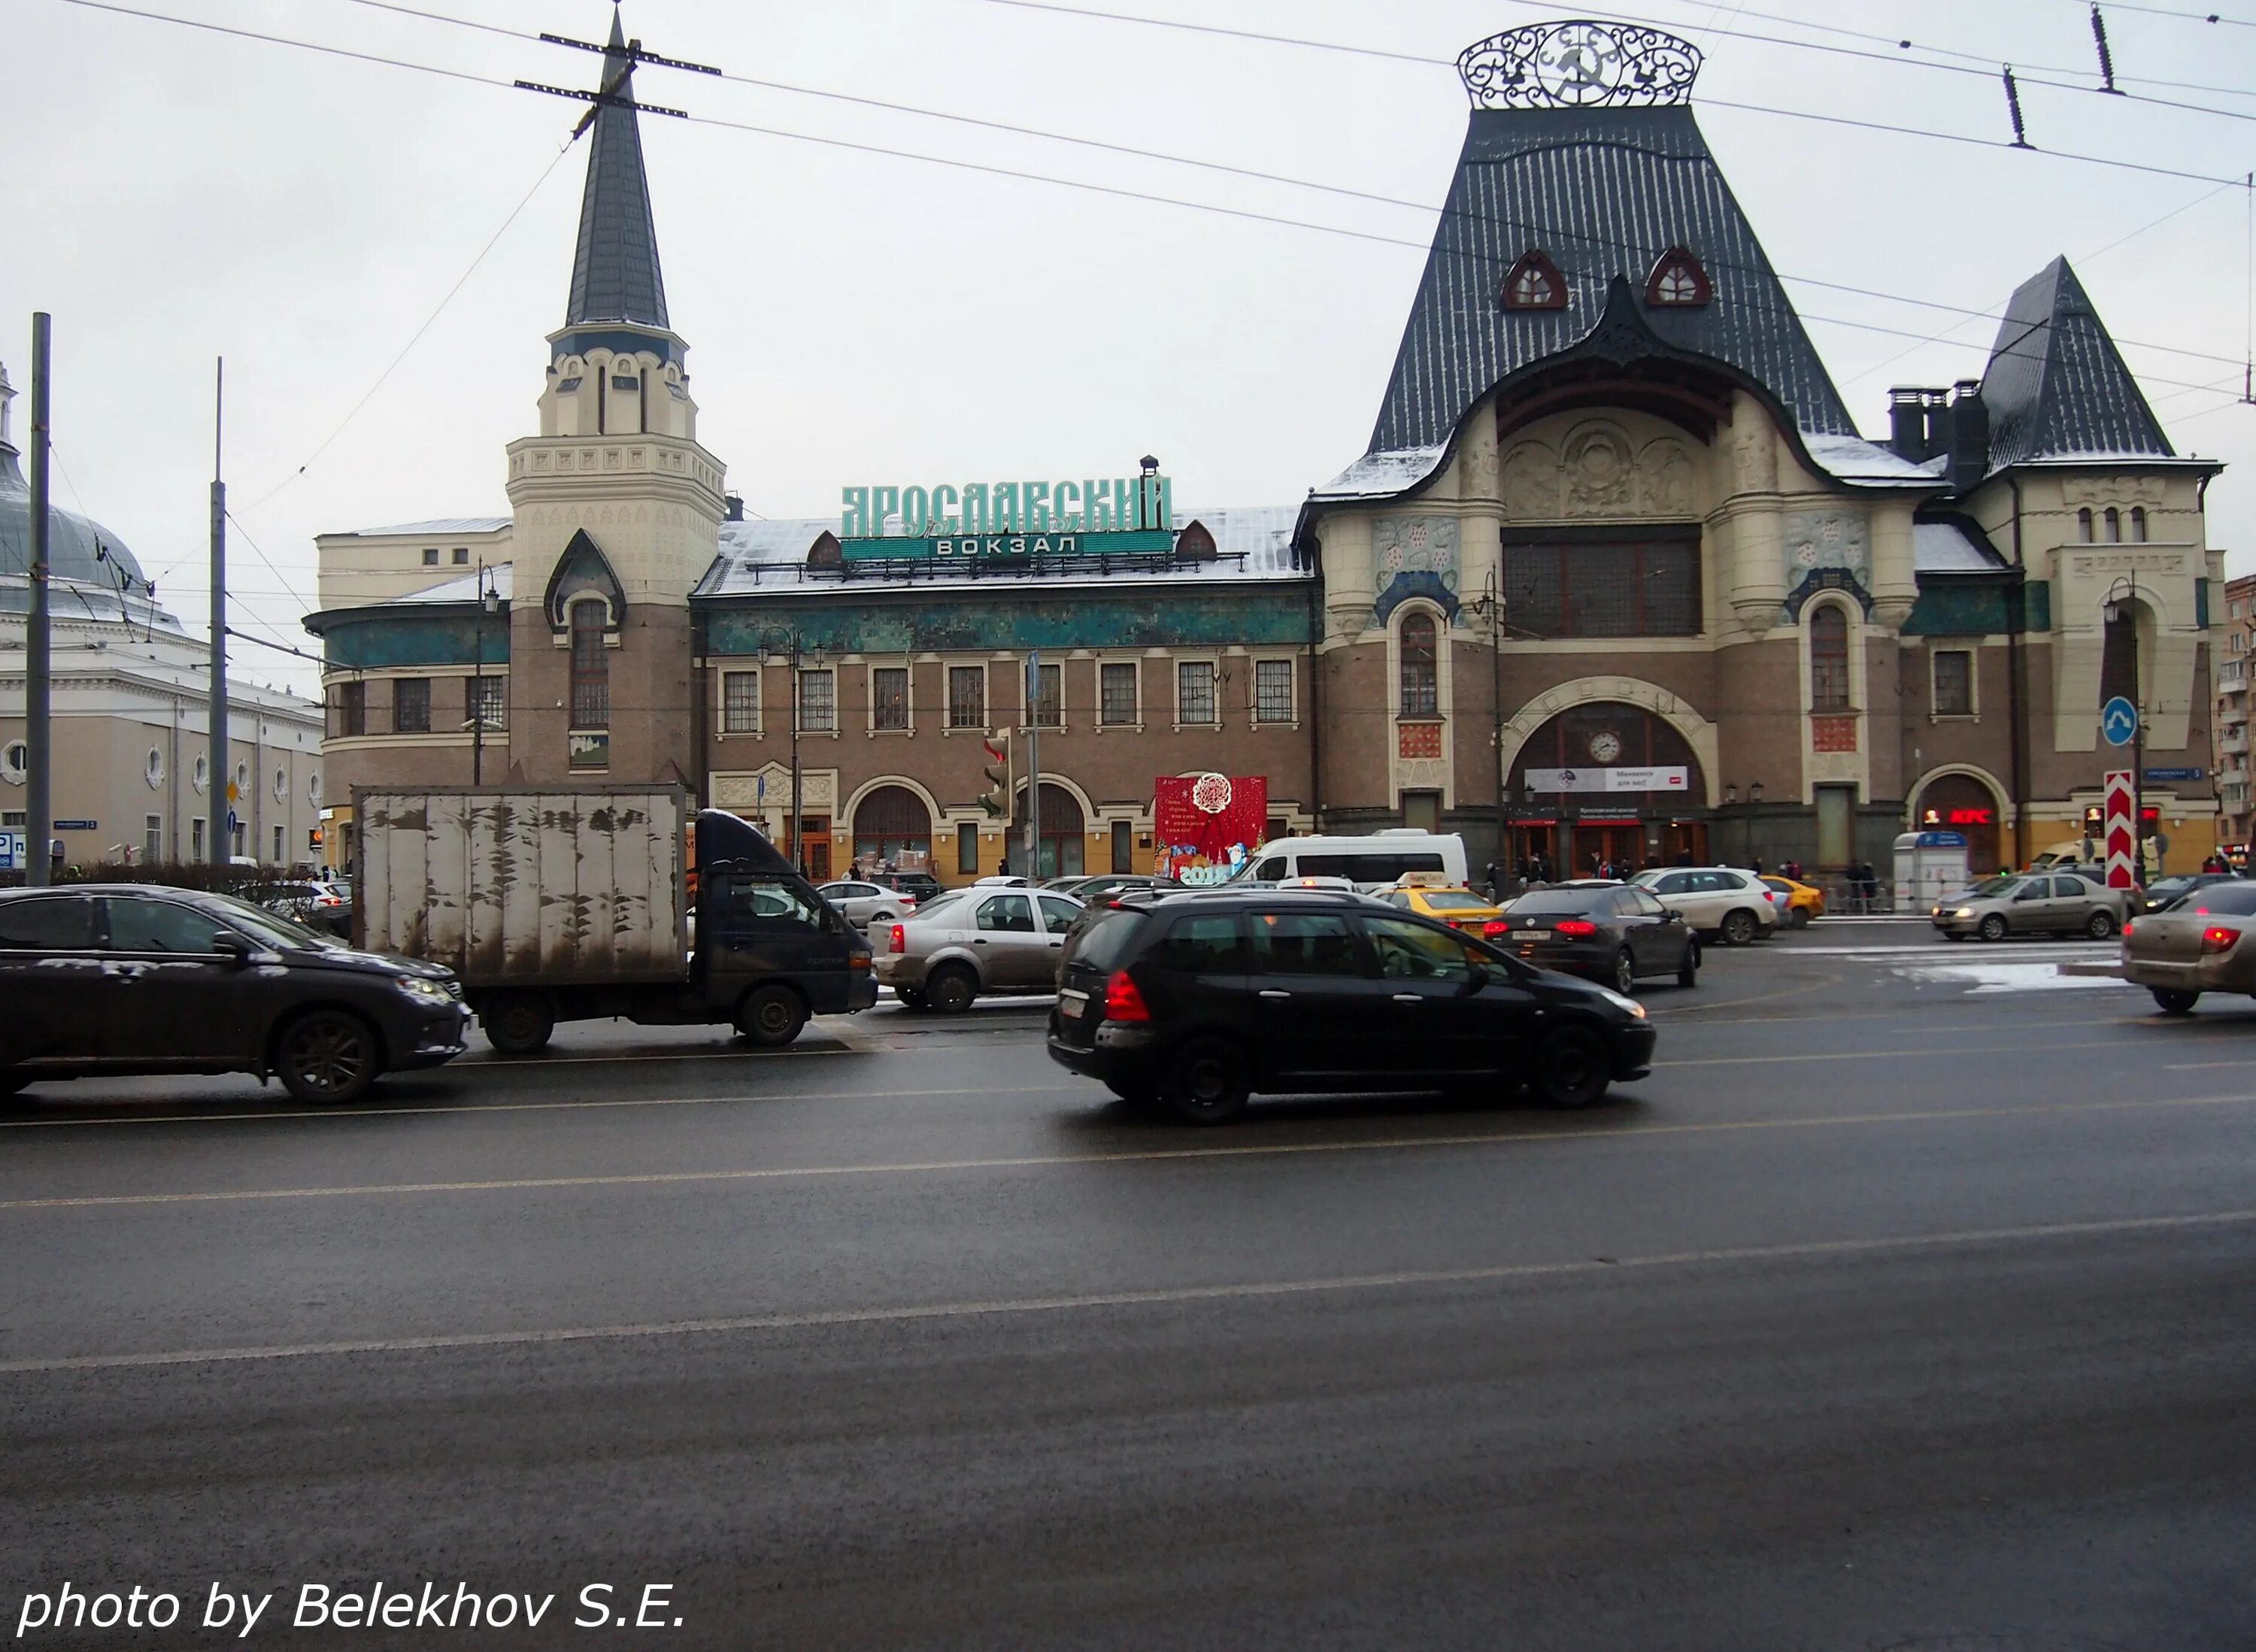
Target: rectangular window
<point>352,708</point>
<point>889,697</point>
<point>196,850</point>
<point>591,666</point>
<point>1049,698</point>
<point>1115,695</point>
<point>818,701</point>
<point>278,847</point>
<point>1124,845</point>
<point>486,700</point>
<point>152,837</point>
<point>14,819</point>
<point>411,705</point>
<point>1273,691</point>
<point>1954,683</point>
<point>1193,691</point>
<point>431,556</point>
<point>967,697</point>
<point>967,847</point>
<point>1592,589</point>
<point>740,701</point>
<point>462,556</point>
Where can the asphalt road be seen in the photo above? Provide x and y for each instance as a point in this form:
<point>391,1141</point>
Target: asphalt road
<point>1909,1302</point>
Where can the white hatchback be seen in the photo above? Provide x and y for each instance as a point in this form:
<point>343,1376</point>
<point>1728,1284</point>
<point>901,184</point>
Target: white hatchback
<point>1719,902</point>
<point>867,903</point>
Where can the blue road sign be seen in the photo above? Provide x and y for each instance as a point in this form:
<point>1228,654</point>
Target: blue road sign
<point>2118,720</point>
<point>11,851</point>
<point>2177,775</point>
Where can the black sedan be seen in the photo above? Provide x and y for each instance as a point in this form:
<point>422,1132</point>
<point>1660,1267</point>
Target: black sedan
<point>1612,932</point>
<point>2162,891</point>
<point>1198,1001</point>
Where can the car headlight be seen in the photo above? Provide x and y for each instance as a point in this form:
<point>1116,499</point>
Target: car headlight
<point>1963,912</point>
<point>422,987</point>
<point>1620,1003</point>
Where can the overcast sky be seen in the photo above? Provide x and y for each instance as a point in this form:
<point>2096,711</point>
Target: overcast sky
<point>176,195</point>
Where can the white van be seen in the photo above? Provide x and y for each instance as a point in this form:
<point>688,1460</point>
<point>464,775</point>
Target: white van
<point>1371,862</point>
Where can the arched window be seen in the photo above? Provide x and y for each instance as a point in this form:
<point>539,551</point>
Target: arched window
<point>1534,284</point>
<point>1828,659</point>
<point>1677,281</point>
<point>1061,851</point>
<point>2083,525</point>
<point>2139,524</point>
<point>890,822</point>
<point>1421,685</point>
<point>2114,525</point>
<point>591,666</point>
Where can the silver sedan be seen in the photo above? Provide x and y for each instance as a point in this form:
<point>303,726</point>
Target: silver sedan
<point>2201,942</point>
<point>867,903</point>
<point>984,939</point>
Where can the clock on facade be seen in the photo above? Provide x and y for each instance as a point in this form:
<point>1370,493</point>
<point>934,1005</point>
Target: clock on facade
<point>1606,747</point>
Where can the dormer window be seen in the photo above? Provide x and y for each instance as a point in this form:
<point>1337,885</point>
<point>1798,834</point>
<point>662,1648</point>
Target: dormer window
<point>1534,284</point>
<point>1677,282</point>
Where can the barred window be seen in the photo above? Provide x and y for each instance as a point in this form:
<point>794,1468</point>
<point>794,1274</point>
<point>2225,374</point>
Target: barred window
<point>1273,691</point>
<point>1195,692</point>
<point>1049,698</point>
<point>889,697</point>
<point>740,701</point>
<point>1421,667</point>
<point>1116,698</point>
<point>818,701</point>
<point>591,666</point>
<point>1828,659</point>
<point>1596,588</point>
<point>486,701</point>
<point>1954,683</point>
<point>967,697</point>
<point>411,705</point>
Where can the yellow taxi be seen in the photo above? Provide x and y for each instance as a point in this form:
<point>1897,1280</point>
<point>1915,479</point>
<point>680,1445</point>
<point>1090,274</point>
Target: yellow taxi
<point>1803,903</point>
<point>1453,904</point>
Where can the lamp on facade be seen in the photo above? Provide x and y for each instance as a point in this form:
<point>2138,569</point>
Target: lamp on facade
<point>1731,796</point>
<point>1151,465</point>
<point>1754,791</point>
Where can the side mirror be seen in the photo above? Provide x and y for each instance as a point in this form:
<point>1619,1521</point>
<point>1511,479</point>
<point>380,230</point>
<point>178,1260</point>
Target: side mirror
<point>232,946</point>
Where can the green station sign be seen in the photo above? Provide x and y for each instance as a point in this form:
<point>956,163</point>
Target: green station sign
<point>981,521</point>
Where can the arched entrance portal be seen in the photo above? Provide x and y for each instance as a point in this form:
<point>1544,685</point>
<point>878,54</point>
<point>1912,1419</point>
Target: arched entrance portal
<point>1962,804</point>
<point>1064,834</point>
<point>1576,810</point>
<point>893,826</point>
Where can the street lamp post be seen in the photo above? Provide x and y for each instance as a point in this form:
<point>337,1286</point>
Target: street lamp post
<point>785,643</point>
<point>488,605</point>
<point>1490,606</point>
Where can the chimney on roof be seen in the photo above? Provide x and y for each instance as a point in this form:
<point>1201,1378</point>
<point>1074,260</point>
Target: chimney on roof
<point>1919,422</point>
<point>1970,435</point>
<point>735,503</point>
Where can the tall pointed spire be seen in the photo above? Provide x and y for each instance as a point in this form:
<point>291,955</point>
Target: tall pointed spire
<point>614,273</point>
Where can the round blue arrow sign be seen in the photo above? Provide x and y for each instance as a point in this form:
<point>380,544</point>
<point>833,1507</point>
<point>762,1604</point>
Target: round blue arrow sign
<point>2118,720</point>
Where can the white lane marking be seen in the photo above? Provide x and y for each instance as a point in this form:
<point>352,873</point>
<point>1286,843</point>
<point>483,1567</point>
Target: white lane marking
<point>2188,1066</point>
<point>1893,1055</point>
<point>344,1115</point>
<point>1949,951</point>
<point>1243,1291</point>
<point>1053,1161</point>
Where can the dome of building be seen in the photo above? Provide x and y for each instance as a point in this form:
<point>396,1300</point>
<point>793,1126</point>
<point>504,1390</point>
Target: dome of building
<point>78,547</point>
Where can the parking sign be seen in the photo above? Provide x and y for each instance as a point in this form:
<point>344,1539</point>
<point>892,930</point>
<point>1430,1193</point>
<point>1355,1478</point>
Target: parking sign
<point>11,851</point>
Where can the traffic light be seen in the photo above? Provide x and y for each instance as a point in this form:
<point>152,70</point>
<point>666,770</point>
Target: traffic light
<point>996,802</point>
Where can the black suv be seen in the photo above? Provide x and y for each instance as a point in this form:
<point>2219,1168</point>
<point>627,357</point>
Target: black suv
<point>920,885</point>
<point>1199,1000</point>
<point>133,978</point>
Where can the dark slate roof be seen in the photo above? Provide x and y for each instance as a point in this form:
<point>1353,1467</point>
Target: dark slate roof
<point>614,273</point>
<point>2056,388</point>
<point>1604,193</point>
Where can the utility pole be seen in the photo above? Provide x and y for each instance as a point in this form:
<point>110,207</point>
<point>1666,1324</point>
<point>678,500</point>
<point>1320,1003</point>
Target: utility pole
<point>1496,696</point>
<point>1035,764</point>
<point>791,820</point>
<point>223,840</point>
<point>39,687</point>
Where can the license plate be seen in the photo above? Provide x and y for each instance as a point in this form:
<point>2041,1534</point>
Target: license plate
<point>1526,936</point>
<point>1072,1003</point>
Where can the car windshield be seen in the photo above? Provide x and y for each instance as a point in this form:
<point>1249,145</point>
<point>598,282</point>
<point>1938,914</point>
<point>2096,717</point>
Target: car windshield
<point>276,930</point>
<point>940,906</point>
<point>1994,888</point>
<point>1454,901</point>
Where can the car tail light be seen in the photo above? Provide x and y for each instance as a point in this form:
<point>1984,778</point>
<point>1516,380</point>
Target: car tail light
<point>2217,938</point>
<point>1495,926</point>
<point>1122,1001</point>
<point>899,941</point>
<point>2128,926</point>
<point>1769,894</point>
<point>1580,928</point>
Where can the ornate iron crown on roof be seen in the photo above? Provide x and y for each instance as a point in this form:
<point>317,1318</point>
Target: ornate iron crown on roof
<point>1579,64</point>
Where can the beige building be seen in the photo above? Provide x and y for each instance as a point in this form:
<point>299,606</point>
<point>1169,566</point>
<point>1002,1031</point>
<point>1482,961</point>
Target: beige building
<point>375,565</point>
<point>134,778</point>
<point>2234,641</point>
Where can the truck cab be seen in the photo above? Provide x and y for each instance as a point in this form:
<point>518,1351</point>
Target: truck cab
<point>770,951</point>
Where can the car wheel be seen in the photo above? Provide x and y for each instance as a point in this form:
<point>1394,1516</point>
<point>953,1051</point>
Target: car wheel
<point>326,1058</point>
<point>1797,917</point>
<point>1625,972</point>
<point>518,1023</point>
<point>1739,928</point>
<point>886,917</point>
<point>1688,974</point>
<point>770,1016</point>
<point>1993,927</point>
<point>951,990</point>
<point>1572,1068</point>
<point>2174,1001</point>
<point>1208,1082</point>
<point>909,998</point>
<point>2100,926</point>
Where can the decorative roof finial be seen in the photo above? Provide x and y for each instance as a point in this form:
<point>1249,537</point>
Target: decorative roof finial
<point>1579,64</point>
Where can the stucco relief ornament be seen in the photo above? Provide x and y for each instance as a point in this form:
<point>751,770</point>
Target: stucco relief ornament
<point>1579,64</point>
